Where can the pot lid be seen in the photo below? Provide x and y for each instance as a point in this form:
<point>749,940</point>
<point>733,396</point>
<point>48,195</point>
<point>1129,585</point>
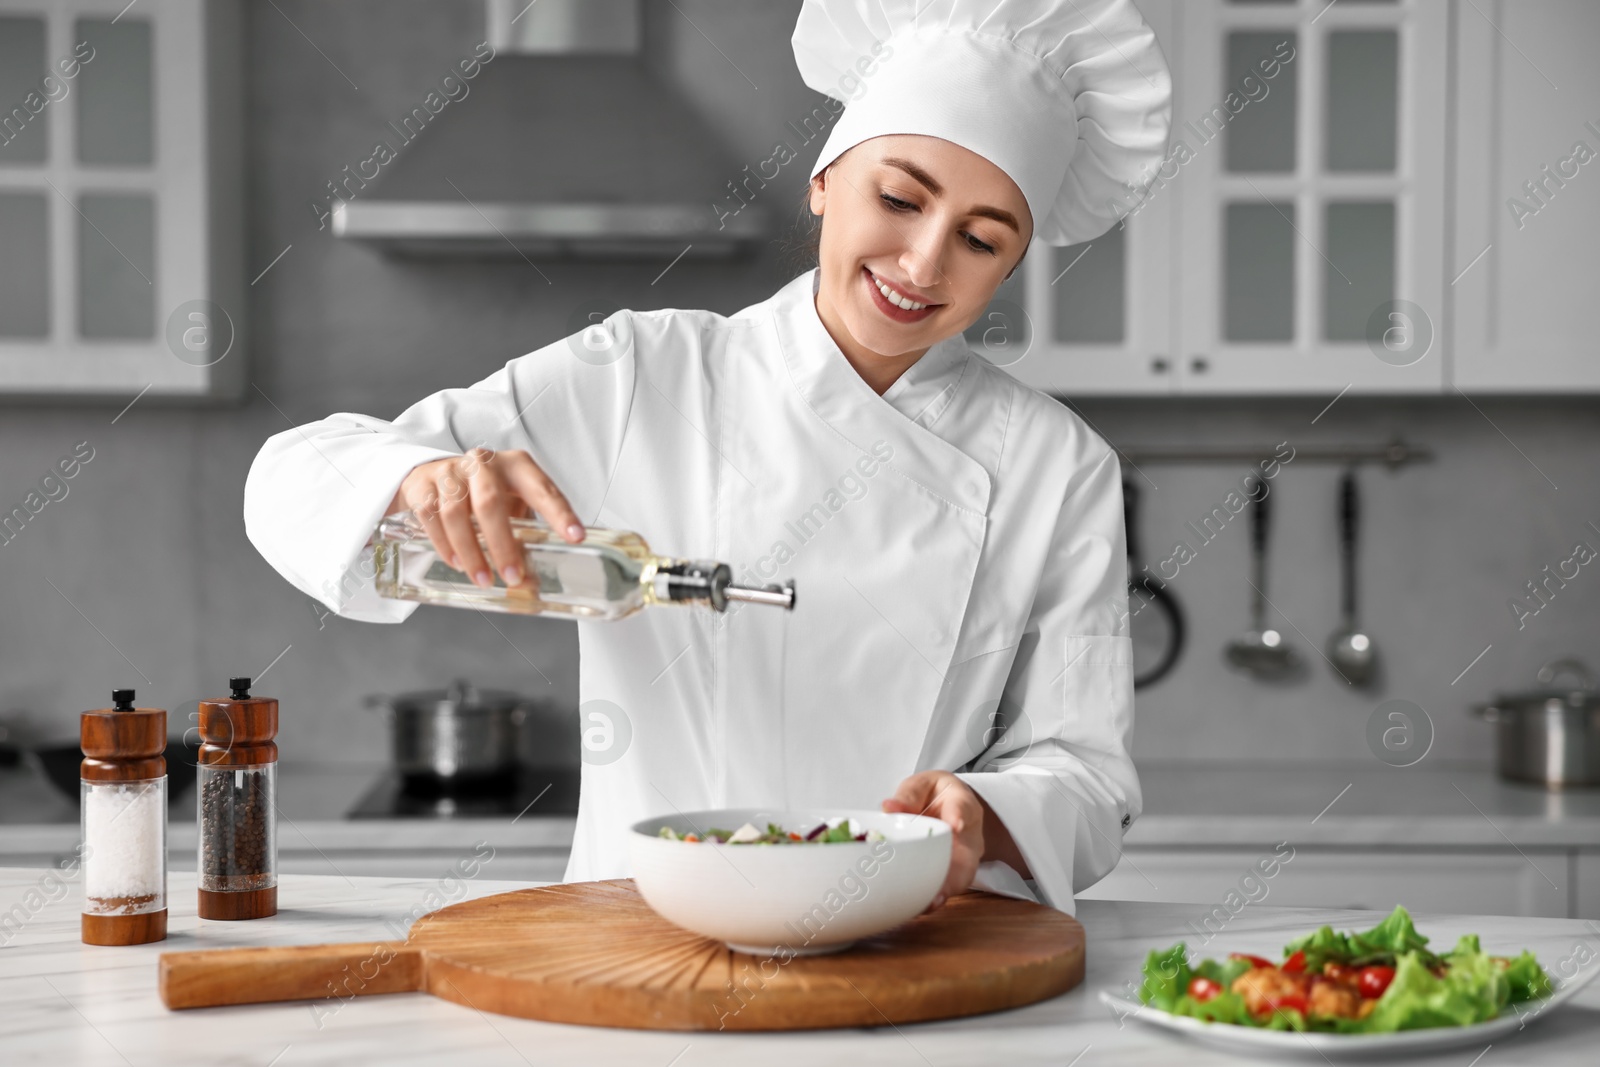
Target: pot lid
<point>461,696</point>
<point>1582,692</point>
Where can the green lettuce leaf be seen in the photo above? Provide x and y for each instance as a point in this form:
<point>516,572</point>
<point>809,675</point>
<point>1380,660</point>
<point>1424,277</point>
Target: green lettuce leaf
<point>1394,937</point>
<point>1320,946</point>
<point>1222,972</point>
<point>1384,943</point>
<point>1166,977</point>
<point>1471,991</point>
<point>1225,1007</point>
<point>1525,979</point>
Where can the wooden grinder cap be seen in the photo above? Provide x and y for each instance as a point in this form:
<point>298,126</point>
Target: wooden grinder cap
<point>123,743</point>
<point>238,731</point>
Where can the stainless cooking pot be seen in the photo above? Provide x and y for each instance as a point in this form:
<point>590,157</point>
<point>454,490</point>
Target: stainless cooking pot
<point>454,735</point>
<point>1550,735</point>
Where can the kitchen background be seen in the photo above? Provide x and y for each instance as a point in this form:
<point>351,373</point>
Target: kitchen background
<point>142,575</point>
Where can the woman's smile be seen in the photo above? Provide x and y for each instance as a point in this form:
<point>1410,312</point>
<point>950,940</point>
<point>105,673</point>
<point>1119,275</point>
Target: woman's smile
<point>894,301</point>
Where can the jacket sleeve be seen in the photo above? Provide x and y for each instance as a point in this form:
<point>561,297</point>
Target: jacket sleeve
<point>1060,775</point>
<point>315,493</point>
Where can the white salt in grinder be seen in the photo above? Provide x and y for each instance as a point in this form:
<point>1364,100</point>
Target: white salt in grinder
<point>124,817</point>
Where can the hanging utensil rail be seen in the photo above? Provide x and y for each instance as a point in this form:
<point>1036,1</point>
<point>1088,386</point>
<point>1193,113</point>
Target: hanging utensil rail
<point>1394,455</point>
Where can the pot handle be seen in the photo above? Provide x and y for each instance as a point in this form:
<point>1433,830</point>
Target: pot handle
<point>461,693</point>
<point>1570,665</point>
<point>1486,712</point>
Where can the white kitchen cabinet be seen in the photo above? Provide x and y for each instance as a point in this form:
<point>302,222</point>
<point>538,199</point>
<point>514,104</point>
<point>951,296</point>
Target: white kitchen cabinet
<point>1312,200</point>
<point>1586,885</point>
<point>121,199</point>
<point>1527,197</point>
<point>1482,882</point>
<point>1294,241</point>
<point>1098,316</point>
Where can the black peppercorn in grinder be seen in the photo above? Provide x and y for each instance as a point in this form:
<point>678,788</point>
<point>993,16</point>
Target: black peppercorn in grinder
<point>237,784</point>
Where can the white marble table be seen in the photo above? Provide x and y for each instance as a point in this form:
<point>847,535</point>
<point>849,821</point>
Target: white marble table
<point>62,1002</point>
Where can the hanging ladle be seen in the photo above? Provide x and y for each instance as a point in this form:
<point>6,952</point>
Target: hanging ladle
<point>1263,651</point>
<point>1350,650</point>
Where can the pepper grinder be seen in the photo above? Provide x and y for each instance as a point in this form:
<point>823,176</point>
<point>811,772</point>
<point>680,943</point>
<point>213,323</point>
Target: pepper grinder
<point>238,786</point>
<point>123,805</point>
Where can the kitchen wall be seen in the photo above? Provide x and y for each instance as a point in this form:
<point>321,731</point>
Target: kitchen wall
<point>142,575</point>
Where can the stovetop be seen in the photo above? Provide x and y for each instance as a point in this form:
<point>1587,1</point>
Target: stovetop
<point>530,790</point>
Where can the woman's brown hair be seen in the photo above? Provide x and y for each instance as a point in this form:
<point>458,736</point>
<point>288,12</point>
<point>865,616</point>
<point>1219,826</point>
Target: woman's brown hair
<point>800,247</point>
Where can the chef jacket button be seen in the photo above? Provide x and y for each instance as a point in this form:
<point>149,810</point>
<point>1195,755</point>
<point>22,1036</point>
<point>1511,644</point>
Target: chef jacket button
<point>935,635</point>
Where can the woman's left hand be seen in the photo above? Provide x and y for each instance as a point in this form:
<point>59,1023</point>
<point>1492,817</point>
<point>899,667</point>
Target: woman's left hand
<point>946,797</point>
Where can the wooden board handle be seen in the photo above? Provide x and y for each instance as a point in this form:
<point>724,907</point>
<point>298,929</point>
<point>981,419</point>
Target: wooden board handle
<point>216,977</point>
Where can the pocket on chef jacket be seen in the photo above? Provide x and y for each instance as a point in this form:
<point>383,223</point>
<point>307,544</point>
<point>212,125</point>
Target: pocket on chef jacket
<point>1097,689</point>
<point>964,723</point>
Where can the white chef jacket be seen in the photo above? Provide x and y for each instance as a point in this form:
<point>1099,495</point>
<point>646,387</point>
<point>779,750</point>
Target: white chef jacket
<point>956,544</point>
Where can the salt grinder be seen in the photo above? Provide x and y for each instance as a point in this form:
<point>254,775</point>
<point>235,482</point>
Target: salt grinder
<point>123,805</point>
<point>238,787</point>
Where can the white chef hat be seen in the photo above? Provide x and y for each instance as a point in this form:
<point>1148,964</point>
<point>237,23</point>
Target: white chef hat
<point>1071,98</point>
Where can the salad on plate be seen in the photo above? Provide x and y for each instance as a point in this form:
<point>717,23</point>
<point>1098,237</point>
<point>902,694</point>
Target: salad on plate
<point>1376,981</point>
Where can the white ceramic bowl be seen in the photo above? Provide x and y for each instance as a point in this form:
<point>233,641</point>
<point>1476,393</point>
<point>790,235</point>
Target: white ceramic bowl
<point>798,899</point>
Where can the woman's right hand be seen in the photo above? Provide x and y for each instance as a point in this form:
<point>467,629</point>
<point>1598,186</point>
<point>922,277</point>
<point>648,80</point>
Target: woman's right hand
<point>493,487</point>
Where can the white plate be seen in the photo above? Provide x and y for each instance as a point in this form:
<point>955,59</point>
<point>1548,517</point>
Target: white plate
<point>1247,1040</point>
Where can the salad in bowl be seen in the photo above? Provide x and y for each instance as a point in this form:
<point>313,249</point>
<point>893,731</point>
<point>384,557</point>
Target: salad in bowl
<point>754,890</point>
<point>823,833</point>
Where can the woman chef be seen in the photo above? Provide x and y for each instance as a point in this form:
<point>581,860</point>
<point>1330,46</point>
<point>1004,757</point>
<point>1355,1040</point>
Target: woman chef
<point>960,641</point>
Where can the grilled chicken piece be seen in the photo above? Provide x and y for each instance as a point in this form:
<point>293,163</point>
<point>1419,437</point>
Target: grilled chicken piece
<point>1262,987</point>
<point>1333,998</point>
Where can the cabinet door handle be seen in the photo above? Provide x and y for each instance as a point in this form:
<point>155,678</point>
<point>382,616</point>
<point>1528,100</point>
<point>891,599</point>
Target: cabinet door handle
<point>1158,365</point>
<point>1199,364</point>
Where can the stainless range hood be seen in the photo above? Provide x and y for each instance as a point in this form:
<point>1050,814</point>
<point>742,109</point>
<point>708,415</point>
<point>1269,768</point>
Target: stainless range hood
<point>565,144</point>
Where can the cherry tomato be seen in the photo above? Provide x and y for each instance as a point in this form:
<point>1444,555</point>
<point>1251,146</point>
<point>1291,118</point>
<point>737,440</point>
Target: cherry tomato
<point>1292,1002</point>
<point>1254,961</point>
<point>1295,964</point>
<point>691,837</point>
<point>1374,980</point>
<point>1202,988</point>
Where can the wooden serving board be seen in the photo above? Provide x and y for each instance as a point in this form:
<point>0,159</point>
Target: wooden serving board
<point>594,953</point>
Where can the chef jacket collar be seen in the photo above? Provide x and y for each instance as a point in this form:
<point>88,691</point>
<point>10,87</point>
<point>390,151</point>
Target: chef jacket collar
<point>924,391</point>
<point>902,416</point>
